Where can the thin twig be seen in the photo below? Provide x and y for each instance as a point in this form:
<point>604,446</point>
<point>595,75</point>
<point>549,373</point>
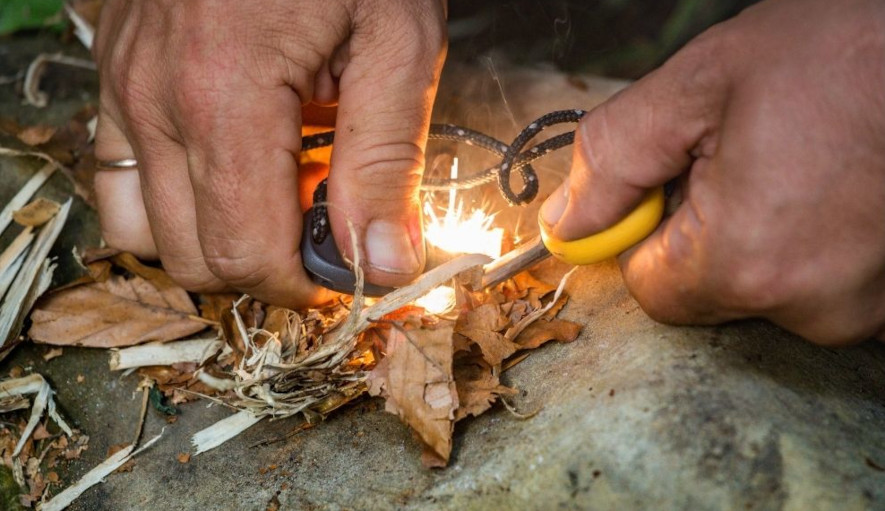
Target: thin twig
<point>521,416</point>
<point>145,394</point>
<point>33,95</point>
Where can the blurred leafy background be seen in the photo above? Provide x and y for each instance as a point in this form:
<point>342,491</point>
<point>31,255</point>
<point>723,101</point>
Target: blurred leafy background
<point>620,38</point>
<point>17,15</point>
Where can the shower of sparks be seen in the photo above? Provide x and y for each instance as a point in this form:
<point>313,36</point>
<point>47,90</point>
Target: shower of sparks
<point>459,232</point>
<point>438,301</point>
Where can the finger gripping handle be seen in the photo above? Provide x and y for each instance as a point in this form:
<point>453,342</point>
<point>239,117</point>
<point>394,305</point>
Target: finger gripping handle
<point>629,231</point>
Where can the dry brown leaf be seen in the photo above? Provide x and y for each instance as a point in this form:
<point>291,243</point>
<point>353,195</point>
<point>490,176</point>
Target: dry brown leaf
<point>36,213</point>
<point>526,280</point>
<point>100,271</point>
<point>285,324</point>
<point>70,141</point>
<point>183,457</point>
<point>557,307</point>
<point>163,375</point>
<point>461,343</point>
<point>482,325</point>
<point>484,317</point>
<point>156,276</point>
<point>9,126</point>
<point>36,135</point>
<point>73,451</point>
<point>212,306</point>
<point>115,313</point>
<point>171,379</point>
<point>543,330</point>
<point>230,330</point>
<point>93,254</point>
<point>40,432</point>
<point>478,387</point>
<point>416,379</point>
<point>495,348</point>
<point>430,459</point>
<point>525,287</point>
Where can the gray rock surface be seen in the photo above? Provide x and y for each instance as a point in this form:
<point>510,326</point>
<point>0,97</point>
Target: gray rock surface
<point>634,414</point>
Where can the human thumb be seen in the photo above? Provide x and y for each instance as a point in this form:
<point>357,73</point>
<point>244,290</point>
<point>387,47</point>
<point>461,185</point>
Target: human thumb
<point>386,95</point>
<point>639,139</point>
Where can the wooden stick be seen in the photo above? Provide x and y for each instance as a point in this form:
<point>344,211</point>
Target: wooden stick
<point>164,354</point>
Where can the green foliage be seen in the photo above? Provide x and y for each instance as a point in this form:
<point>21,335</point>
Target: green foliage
<point>9,490</point>
<point>18,15</point>
<point>160,403</point>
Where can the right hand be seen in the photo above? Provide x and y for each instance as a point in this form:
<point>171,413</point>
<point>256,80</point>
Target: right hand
<point>775,122</point>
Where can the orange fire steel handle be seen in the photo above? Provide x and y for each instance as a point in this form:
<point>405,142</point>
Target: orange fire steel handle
<point>629,231</point>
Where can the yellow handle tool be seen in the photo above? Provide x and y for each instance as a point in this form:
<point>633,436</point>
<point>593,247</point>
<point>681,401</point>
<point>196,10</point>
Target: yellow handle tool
<point>629,231</point>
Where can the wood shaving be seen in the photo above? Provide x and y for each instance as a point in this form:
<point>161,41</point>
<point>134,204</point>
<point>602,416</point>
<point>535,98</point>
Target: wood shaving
<point>33,95</point>
<point>96,475</point>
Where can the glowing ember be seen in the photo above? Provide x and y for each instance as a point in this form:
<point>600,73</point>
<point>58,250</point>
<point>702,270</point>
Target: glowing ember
<point>460,233</point>
<point>438,301</point>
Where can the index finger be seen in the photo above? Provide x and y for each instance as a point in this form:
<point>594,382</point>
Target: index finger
<point>242,141</point>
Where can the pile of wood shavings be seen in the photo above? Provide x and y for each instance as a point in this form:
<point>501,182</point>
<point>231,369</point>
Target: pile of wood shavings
<point>431,370</point>
<point>272,362</point>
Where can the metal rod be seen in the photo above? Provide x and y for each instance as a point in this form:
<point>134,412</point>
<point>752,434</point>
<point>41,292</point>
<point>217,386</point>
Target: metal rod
<point>527,255</point>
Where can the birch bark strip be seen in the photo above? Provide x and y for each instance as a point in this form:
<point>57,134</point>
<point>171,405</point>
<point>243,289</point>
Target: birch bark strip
<point>31,280</point>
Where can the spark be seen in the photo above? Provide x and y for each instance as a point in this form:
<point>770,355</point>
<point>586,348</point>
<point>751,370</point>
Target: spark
<point>458,232</point>
<point>438,300</point>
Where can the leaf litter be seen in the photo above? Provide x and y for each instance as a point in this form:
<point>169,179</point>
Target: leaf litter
<point>31,445</point>
<point>271,362</point>
<point>268,361</point>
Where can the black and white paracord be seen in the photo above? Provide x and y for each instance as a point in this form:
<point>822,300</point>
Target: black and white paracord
<point>513,157</point>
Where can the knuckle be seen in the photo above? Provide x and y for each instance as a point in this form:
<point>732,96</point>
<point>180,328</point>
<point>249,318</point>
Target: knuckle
<point>239,271</point>
<point>429,28</point>
<point>411,31</point>
<point>391,170</point>
<point>194,277</point>
<point>197,92</point>
<point>295,68</point>
<point>293,55</point>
